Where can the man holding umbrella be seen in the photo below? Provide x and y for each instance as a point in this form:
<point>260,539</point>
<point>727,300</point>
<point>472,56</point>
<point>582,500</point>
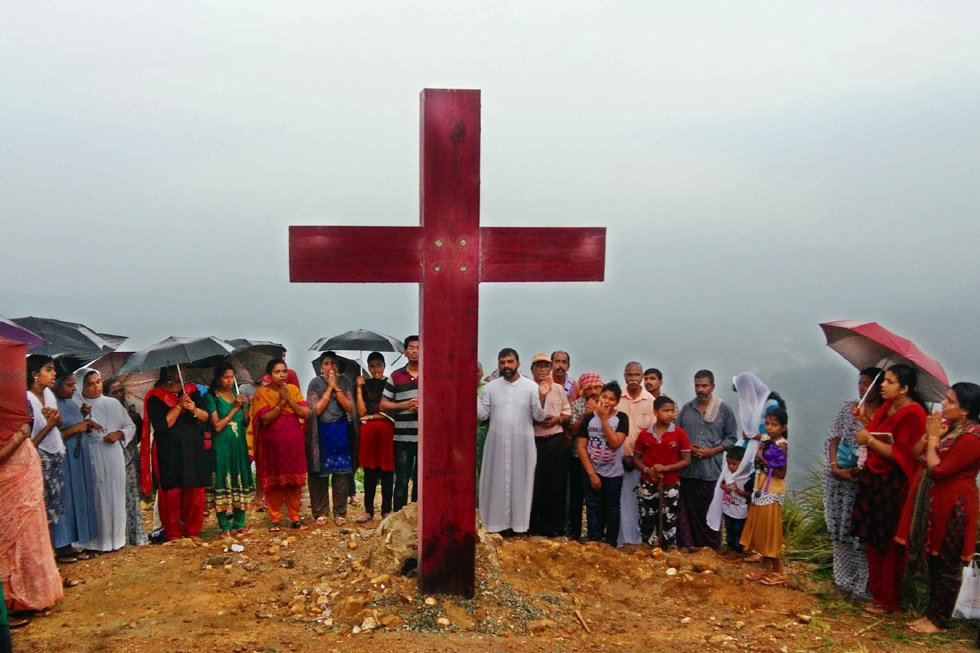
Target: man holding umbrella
<point>401,399</point>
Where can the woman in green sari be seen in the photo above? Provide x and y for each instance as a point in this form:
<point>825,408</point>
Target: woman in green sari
<point>233,484</point>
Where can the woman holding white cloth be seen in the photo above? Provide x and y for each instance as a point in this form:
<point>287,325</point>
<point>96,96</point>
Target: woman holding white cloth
<point>113,430</point>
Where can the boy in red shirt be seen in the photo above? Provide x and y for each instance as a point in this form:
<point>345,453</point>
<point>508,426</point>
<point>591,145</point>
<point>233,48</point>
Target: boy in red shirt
<point>661,451</point>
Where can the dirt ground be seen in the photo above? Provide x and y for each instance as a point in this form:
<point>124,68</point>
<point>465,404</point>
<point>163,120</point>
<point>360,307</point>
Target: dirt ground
<point>313,591</point>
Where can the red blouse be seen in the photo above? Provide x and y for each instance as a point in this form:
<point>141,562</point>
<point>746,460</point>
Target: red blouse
<point>906,425</point>
<point>955,477</point>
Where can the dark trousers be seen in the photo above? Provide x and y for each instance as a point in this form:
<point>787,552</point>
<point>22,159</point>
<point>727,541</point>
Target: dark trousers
<point>602,508</point>
<point>371,478</point>
<point>548,500</point>
<point>320,488</point>
<point>946,570</point>
<point>576,498</point>
<point>733,533</point>
<point>692,527</point>
<point>406,456</point>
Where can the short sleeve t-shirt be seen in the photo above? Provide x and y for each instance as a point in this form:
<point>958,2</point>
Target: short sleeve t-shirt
<point>735,505</point>
<point>402,386</point>
<point>665,450</point>
<point>606,461</point>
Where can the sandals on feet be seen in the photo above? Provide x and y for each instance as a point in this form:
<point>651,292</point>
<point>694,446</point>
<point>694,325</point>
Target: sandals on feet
<point>274,528</point>
<point>321,520</point>
<point>363,519</point>
<point>299,525</point>
<point>755,575</point>
<point>340,521</point>
<point>773,579</point>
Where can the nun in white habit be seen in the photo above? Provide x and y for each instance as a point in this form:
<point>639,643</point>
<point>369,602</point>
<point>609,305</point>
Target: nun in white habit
<point>108,459</point>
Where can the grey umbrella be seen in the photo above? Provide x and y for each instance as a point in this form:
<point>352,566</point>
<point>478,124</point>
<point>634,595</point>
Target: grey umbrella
<point>200,352</point>
<point>69,338</point>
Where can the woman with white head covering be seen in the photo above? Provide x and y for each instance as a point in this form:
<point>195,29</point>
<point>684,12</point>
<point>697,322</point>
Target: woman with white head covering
<point>112,431</point>
<point>753,404</point>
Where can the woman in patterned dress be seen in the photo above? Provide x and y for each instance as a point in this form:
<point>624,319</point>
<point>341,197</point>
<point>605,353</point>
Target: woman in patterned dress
<point>839,487</point>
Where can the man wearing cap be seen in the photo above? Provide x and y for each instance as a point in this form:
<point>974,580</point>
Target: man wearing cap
<point>637,403</point>
<point>589,385</point>
<point>547,507</point>
<point>512,403</point>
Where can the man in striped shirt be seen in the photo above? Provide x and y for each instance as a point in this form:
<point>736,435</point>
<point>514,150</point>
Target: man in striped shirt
<point>401,401</point>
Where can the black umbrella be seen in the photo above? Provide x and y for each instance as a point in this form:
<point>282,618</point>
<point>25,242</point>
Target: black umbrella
<point>200,352</point>
<point>358,340</point>
<point>248,358</point>
<point>69,338</point>
<point>251,356</point>
<point>353,344</point>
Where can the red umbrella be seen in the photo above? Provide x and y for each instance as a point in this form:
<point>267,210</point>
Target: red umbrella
<point>868,344</point>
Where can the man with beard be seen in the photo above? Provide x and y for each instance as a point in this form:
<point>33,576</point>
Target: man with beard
<point>512,403</point>
<point>547,508</point>
<point>637,403</point>
<point>710,426</point>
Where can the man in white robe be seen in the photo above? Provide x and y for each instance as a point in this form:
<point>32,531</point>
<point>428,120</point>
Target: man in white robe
<point>512,403</point>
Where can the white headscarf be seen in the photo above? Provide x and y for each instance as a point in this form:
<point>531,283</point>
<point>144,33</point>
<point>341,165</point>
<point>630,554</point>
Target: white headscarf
<point>107,411</point>
<point>752,396</point>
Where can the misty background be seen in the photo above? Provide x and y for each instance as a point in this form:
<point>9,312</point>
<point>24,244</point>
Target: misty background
<point>760,167</point>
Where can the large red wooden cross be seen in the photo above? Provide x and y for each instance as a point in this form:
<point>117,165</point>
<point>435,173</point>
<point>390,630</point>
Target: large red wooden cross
<point>448,256</point>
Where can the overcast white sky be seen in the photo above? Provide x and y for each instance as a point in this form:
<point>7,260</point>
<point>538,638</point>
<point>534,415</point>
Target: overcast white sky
<point>760,167</point>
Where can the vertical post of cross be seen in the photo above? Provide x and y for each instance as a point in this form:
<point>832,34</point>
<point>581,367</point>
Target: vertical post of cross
<point>449,316</point>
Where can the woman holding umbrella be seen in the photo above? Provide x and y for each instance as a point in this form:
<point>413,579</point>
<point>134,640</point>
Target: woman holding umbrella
<point>183,454</point>
<point>890,436</point>
<point>280,443</point>
<point>233,485</point>
<point>944,526</point>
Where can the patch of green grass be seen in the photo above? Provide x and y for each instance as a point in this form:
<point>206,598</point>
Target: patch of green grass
<point>804,529</point>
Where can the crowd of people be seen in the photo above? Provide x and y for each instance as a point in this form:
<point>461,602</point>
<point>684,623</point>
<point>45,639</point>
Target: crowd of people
<point>643,468</point>
<point>900,492</point>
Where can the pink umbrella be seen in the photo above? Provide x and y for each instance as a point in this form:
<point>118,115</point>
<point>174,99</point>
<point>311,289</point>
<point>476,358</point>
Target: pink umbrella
<point>135,384</point>
<point>868,344</point>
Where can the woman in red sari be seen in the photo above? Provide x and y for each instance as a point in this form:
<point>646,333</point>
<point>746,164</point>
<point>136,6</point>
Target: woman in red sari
<point>943,524</point>
<point>280,444</point>
<point>884,483</point>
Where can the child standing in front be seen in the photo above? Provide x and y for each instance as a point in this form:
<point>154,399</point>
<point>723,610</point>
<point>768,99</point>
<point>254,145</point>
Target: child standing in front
<point>600,449</point>
<point>736,490</point>
<point>763,532</point>
<point>660,452</point>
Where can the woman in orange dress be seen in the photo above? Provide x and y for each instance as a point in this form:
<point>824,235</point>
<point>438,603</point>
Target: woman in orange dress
<point>28,572</point>
<point>280,444</point>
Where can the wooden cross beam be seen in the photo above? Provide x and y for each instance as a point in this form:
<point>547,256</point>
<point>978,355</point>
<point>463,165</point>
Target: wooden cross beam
<point>449,255</point>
